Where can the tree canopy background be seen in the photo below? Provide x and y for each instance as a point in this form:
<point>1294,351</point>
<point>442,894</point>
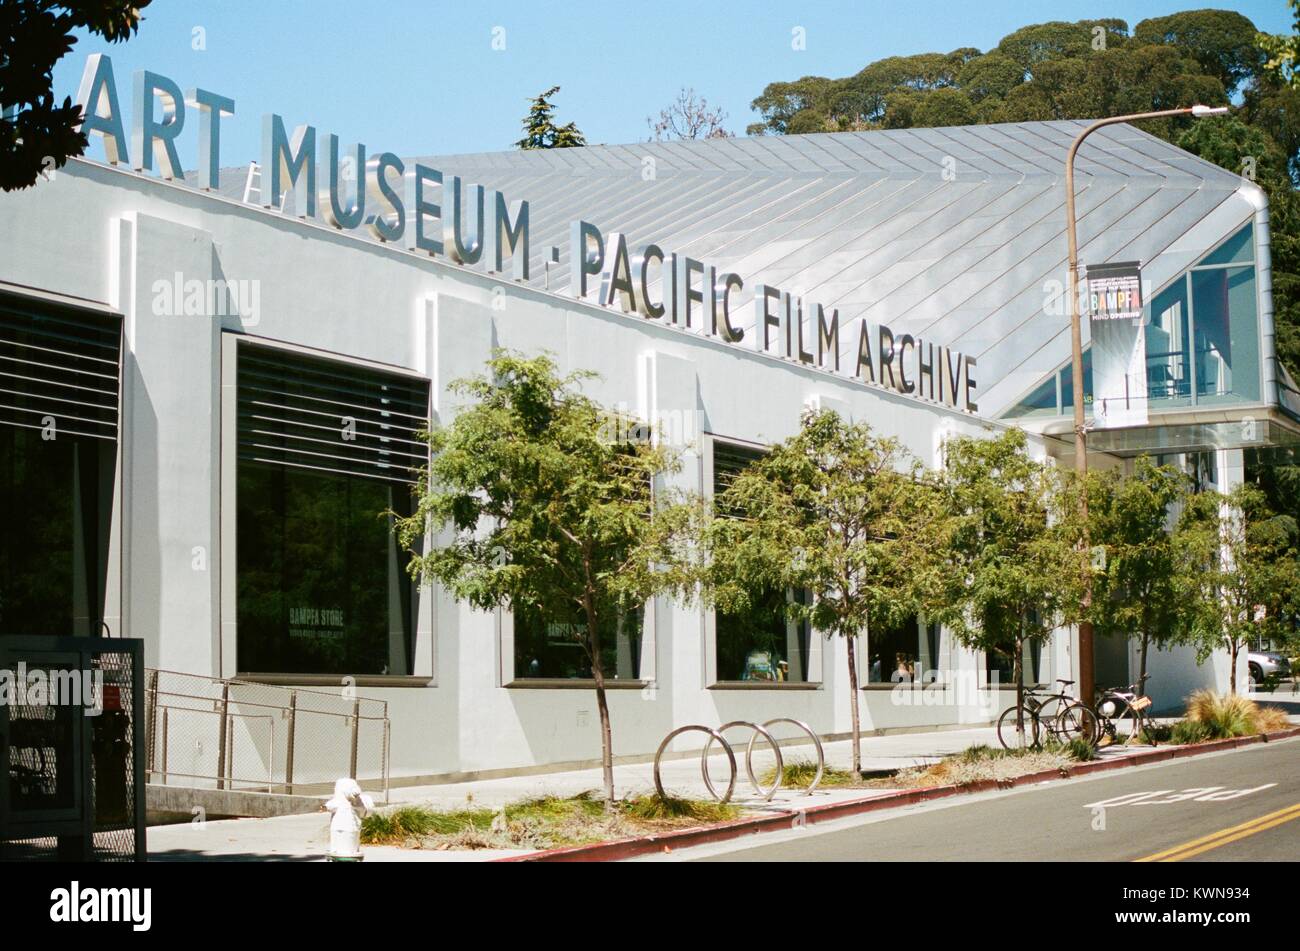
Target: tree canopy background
<point>1087,70</point>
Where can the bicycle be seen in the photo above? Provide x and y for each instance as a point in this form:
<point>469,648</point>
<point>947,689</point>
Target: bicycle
<point>1072,719</point>
<point>1122,714</point>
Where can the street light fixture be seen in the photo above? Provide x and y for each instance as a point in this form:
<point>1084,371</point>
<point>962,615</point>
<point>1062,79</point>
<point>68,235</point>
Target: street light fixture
<point>1086,674</point>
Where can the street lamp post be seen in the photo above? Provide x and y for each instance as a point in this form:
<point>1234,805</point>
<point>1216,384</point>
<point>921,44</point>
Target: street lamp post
<point>1086,675</point>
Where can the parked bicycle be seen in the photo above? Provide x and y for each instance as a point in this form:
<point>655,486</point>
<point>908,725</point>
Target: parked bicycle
<point>1069,719</point>
<point>1123,714</point>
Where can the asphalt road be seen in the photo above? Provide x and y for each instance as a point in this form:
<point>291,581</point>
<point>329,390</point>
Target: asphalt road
<point>1233,806</point>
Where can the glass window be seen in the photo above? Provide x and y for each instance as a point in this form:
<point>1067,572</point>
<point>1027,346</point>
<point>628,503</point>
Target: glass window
<point>898,654</point>
<point>59,382</point>
<point>326,458</point>
<point>1239,249</point>
<point>1041,402</point>
<point>999,662</point>
<point>1227,334</point>
<point>1067,383</point>
<point>1169,376</point>
<point>322,584</point>
<point>553,649</point>
<point>761,644</point>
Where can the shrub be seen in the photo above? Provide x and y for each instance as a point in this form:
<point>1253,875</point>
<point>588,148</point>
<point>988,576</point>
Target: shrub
<point>1081,750</point>
<point>1186,732</point>
<point>1225,716</point>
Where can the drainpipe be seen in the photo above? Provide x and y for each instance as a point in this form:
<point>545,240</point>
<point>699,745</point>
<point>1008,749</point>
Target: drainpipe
<point>1264,278</point>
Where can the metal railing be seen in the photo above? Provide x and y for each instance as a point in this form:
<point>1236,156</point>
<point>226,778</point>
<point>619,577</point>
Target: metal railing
<point>254,737</point>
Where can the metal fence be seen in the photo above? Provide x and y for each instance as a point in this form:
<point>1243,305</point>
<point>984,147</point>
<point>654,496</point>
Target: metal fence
<point>254,737</point>
<point>73,789</point>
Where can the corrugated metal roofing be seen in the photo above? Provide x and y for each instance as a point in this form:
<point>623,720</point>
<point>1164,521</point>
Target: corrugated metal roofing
<point>956,235</point>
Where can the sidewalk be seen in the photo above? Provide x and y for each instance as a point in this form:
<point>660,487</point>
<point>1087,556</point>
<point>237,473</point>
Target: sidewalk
<point>305,837</point>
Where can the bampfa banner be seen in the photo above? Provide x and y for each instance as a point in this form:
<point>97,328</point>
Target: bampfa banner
<point>1119,346</point>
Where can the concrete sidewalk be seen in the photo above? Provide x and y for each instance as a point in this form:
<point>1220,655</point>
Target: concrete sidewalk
<point>305,837</point>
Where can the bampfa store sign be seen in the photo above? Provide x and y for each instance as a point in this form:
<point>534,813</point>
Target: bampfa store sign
<point>419,208</point>
<point>1119,348</point>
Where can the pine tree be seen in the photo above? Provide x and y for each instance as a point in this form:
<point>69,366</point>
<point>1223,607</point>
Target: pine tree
<point>540,130</point>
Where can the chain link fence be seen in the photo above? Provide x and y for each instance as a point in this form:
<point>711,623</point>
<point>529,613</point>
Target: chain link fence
<point>253,737</point>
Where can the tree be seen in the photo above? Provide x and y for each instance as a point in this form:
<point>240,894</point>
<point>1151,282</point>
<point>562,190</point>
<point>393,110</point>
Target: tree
<point>1014,568</point>
<point>37,132</point>
<point>835,511</point>
<point>538,503</point>
<point>1282,53</point>
<point>1135,588</point>
<point>540,130</point>
<point>688,117</point>
<point>1223,41</point>
<point>1241,571</point>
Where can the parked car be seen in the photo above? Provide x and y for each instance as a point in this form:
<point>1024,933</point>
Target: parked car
<point>1267,665</point>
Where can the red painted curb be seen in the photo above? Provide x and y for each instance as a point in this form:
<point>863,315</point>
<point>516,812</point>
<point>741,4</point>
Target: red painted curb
<point>726,831</point>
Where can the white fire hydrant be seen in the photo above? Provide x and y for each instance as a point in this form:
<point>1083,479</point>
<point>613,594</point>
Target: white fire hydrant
<point>348,807</point>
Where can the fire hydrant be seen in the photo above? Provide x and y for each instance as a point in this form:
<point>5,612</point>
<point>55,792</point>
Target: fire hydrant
<point>348,807</point>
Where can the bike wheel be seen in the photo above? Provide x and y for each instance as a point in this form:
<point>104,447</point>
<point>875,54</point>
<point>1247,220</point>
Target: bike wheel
<point>1125,726</point>
<point>1076,721</point>
<point>1007,734</point>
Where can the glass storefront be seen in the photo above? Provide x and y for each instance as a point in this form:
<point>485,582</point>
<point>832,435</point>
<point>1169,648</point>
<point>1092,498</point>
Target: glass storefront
<point>904,653</point>
<point>59,381</point>
<point>326,453</point>
<point>1202,340</point>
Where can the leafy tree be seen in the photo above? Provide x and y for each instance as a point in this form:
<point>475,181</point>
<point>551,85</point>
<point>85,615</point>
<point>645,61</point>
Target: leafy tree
<point>36,129</point>
<point>1282,53</point>
<point>1241,574</point>
<point>836,511</point>
<point>991,75</point>
<point>1031,46</point>
<point>1222,41</point>
<point>1135,590</point>
<point>688,117</point>
<point>540,130</point>
<point>1014,566</point>
<point>536,507</point>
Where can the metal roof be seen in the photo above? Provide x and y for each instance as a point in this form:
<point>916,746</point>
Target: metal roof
<point>956,235</point>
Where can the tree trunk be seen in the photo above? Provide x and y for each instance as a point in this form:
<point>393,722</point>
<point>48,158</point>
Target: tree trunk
<point>1019,677</point>
<point>598,675</point>
<point>853,706</point>
<point>1142,667</point>
<point>1234,648</point>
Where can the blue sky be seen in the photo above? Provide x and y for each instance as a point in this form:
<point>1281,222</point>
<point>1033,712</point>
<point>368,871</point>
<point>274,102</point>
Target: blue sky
<point>423,78</point>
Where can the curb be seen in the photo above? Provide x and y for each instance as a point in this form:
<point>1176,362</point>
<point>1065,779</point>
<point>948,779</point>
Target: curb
<point>794,818</point>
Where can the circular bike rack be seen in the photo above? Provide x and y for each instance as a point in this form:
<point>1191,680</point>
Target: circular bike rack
<point>817,742</point>
<point>713,735</point>
<point>758,731</point>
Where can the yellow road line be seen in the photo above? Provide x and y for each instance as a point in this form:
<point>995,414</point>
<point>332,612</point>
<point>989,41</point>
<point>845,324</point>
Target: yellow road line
<point>1224,836</point>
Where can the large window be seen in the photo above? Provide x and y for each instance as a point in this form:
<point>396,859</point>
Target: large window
<point>761,644</point>
<point>553,650</point>
<point>903,653</point>
<point>1202,339</point>
<point>326,452</point>
<point>58,457</point>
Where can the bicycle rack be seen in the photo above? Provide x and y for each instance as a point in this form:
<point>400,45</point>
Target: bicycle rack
<point>756,730</point>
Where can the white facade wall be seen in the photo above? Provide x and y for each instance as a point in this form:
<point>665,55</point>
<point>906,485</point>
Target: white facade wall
<point>106,235</point>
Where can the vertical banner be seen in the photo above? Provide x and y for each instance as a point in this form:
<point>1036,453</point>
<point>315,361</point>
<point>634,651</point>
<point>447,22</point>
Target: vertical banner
<point>1119,347</point>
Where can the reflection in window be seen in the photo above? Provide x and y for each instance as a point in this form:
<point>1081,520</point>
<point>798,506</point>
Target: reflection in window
<point>1168,363</point>
<point>56,495</point>
<point>999,665</point>
<point>1227,337</point>
<point>763,643</point>
<point>322,584</point>
<point>548,648</point>
<point>903,653</point>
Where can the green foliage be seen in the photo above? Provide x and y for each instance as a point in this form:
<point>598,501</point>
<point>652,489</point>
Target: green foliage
<point>1282,53</point>
<point>1187,732</point>
<point>836,511</point>
<point>1135,592</point>
<point>535,505</point>
<point>1241,570</point>
<point>540,130</point>
<point>1014,569</point>
<point>1223,42</point>
<point>37,34</point>
<point>670,807</point>
<point>1081,750</point>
